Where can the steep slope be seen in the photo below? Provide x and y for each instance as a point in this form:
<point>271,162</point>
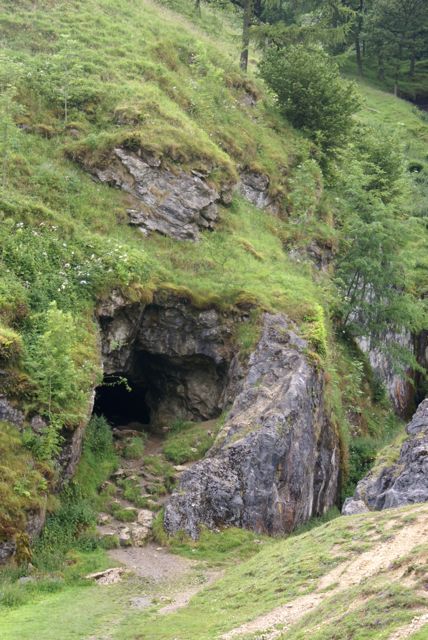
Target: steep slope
<point>99,100</point>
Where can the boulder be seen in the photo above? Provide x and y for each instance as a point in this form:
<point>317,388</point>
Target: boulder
<point>403,482</point>
<point>275,464</point>
<point>254,187</point>
<point>178,205</point>
<point>9,413</point>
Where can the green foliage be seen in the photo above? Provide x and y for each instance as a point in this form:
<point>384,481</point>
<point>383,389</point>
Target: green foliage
<point>10,344</point>
<point>69,527</point>
<point>53,369</point>
<point>134,447</point>
<point>190,442</point>
<point>314,330</point>
<point>311,94</point>
<point>22,484</point>
<point>370,269</point>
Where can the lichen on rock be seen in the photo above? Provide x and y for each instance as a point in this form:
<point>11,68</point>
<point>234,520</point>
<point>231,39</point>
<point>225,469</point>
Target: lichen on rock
<point>405,481</point>
<point>178,205</point>
<point>276,461</point>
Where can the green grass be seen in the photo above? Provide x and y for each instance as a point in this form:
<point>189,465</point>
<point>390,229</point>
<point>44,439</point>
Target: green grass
<point>259,575</point>
<point>134,448</point>
<point>381,609</point>
<point>190,442</point>
<point>279,572</point>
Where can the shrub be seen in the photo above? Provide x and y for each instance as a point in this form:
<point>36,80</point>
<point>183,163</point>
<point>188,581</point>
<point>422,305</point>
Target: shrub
<point>10,344</point>
<point>134,448</point>
<point>22,486</point>
<point>311,93</point>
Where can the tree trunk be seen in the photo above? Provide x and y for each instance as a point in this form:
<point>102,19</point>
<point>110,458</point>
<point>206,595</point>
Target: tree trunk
<point>198,7</point>
<point>248,14</point>
<point>412,64</point>
<point>358,54</point>
<point>357,38</point>
<point>380,66</point>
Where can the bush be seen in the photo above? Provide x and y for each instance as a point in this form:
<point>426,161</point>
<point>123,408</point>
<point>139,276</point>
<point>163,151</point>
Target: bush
<point>311,93</point>
<point>134,448</point>
<point>10,344</point>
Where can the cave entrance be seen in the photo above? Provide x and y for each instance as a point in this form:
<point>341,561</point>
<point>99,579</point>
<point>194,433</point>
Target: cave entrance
<point>122,401</point>
<point>158,390</point>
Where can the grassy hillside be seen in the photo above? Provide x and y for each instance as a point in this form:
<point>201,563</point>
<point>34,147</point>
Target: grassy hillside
<point>362,577</point>
<point>78,78</point>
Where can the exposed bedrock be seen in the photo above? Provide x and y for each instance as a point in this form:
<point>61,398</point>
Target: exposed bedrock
<point>398,385</point>
<point>276,461</point>
<point>178,205</point>
<point>255,188</point>
<point>182,359</point>
<point>403,482</point>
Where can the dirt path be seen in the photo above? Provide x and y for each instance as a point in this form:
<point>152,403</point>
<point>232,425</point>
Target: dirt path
<point>152,562</point>
<point>406,632</point>
<point>178,579</point>
<point>344,575</point>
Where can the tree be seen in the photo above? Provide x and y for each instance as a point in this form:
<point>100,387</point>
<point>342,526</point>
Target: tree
<point>60,78</point>
<point>398,28</point>
<point>248,15</point>
<point>370,270</point>
<point>311,93</point>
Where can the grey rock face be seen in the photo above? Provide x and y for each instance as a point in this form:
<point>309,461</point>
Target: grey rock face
<point>404,482</point>
<point>180,355</point>
<point>276,461</point>
<point>255,188</point>
<point>399,389</point>
<point>176,205</point>
<point>8,413</point>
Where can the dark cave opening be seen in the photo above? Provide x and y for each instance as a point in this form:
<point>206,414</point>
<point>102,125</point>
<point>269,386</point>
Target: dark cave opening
<point>122,401</point>
<point>157,390</point>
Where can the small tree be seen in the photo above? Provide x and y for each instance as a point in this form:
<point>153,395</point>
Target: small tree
<point>55,374</point>
<point>311,93</point>
<point>374,233</point>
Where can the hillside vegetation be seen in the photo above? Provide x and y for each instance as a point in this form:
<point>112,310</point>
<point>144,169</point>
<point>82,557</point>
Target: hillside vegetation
<point>79,78</point>
<point>301,587</point>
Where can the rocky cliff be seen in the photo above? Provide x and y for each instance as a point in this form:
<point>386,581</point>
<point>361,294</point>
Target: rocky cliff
<point>276,461</point>
<point>403,482</point>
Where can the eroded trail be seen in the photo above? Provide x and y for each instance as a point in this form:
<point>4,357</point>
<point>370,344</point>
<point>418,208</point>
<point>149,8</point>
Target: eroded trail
<point>406,632</point>
<point>342,577</point>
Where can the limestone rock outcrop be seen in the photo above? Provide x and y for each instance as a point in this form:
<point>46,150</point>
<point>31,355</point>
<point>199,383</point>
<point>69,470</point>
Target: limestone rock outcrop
<point>276,461</point>
<point>183,358</point>
<point>255,188</point>
<point>178,205</point>
<point>10,414</point>
<point>401,483</point>
<point>399,389</point>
